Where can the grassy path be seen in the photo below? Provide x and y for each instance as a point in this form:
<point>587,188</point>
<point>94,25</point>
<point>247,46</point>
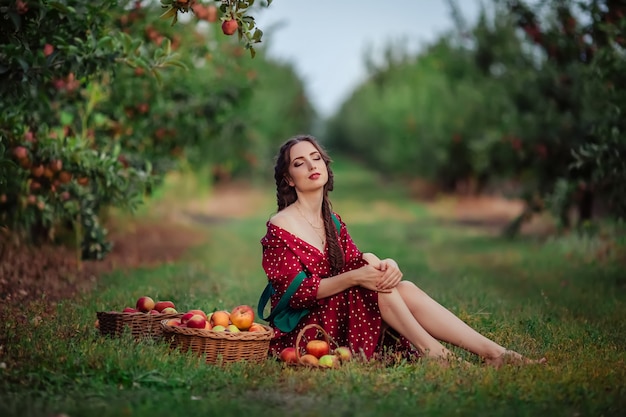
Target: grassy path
<point>539,297</point>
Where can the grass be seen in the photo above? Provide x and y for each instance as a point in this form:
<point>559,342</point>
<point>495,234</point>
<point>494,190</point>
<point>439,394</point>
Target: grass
<point>550,297</point>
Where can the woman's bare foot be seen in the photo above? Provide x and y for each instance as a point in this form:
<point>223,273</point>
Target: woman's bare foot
<point>510,357</point>
<point>450,361</point>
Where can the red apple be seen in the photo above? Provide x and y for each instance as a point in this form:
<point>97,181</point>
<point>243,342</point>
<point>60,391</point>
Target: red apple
<point>159,306</point>
<point>20,152</point>
<point>202,313</point>
<point>185,317</point>
<point>229,27</point>
<point>173,322</point>
<point>145,304</point>
<point>220,318</point>
<point>154,312</point>
<point>343,353</point>
<point>196,322</point>
<point>329,361</point>
<point>130,310</point>
<point>317,348</point>
<point>242,316</point>
<point>48,49</point>
<point>288,355</point>
<point>256,327</point>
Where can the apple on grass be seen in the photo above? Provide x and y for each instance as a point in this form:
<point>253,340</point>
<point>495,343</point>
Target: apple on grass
<point>288,355</point>
<point>343,353</point>
<point>317,348</point>
<point>242,316</point>
<point>329,361</point>
<point>145,304</point>
<point>310,360</point>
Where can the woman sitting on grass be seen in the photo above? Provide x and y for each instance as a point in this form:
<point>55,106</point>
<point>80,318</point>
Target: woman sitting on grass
<point>352,295</point>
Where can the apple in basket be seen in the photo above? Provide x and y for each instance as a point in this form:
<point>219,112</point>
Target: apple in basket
<point>232,329</point>
<point>130,310</point>
<point>202,313</point>
<point>329,361</point>
<point>288,355</point>
<point>185,317</point>
<point>173,322</point>
<point>196,322</point>
<point>145,304</point>
<point>256,327</point>
<point>242,316</point>
<point>162,305</point>
<point>219,328</point>
<point>220,318</point>
<point>169,310</point>
<point>317,348</point>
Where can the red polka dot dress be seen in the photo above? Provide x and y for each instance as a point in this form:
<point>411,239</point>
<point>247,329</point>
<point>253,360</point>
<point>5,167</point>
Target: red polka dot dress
<point>352,317</point>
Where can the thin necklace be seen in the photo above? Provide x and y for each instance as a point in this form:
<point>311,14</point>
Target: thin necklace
<point>315,228</point>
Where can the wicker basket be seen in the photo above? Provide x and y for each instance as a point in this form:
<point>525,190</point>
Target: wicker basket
<point>220,347</point>
<point>142,325</point>
<point>302,340</point>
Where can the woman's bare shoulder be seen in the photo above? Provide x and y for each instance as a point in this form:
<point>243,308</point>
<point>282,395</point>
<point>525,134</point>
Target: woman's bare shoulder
<point>283,219</point>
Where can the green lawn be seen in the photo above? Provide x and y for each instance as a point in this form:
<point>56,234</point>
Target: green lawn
<point>550,297</point>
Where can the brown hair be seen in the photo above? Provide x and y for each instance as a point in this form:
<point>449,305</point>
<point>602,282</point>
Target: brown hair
<point>286,195</point>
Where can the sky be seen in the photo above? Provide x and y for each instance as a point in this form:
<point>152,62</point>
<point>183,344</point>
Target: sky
<point>326,40</point>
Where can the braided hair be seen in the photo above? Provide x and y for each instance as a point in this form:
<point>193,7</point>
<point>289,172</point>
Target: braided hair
<point>286,195</point>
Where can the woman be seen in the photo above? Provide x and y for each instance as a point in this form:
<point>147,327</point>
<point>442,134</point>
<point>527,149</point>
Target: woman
<point>352,295</point>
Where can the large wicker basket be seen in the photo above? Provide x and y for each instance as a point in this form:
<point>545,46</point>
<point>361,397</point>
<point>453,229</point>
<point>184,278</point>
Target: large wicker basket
<point>141,325</point>
<point>220,347</point>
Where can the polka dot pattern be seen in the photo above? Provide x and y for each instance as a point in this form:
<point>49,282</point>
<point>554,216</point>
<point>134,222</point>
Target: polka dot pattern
<point>352,318</point>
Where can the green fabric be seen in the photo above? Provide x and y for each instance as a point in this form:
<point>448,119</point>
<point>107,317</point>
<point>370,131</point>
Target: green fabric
<point>283,316</point>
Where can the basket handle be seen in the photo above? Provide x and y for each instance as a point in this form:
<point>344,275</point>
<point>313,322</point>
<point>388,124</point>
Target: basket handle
<point>320,330</point>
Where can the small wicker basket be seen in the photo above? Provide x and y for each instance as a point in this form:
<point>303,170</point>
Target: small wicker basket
<point>220,347</point>
<point>142,325</point>
<point>302,340</point>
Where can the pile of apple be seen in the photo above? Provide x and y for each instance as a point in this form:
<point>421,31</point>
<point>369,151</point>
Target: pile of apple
<point>317,353</point>
<point>146,304</point>
<point>240,319</point>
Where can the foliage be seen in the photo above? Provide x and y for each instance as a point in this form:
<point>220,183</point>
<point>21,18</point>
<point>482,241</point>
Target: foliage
<point>108,97</point>
<point>527,95</point>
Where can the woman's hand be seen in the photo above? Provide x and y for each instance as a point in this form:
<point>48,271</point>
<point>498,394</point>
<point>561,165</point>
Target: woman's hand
<point>372,259</point>
<point>391,275</point>
<point>369,277</point>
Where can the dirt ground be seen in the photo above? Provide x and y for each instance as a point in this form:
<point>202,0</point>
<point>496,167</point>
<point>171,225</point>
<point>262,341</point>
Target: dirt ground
<point>28,274</point>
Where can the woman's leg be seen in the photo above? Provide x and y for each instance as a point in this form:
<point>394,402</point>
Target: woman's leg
<point>442,324</point>
<point>396,313</point>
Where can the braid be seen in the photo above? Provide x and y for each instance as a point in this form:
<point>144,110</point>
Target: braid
<point>335,253</point>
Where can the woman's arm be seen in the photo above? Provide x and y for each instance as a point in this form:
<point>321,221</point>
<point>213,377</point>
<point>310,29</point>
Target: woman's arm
<point>366,276</point>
